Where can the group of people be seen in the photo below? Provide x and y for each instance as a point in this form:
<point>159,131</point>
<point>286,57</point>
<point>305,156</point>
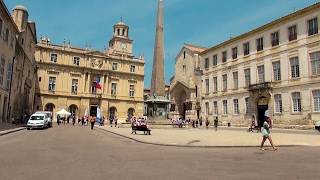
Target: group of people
<point>195,123</point>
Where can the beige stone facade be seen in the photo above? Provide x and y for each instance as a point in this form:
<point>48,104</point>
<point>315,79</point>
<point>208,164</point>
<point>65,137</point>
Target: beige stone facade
<point>24,68</point>
<point>8,33</point>
<point>186,84</point>
<point>274,67</point>
<point>67,77</point>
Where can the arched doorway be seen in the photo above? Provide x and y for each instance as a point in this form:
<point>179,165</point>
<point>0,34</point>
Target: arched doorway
<point>112,111</point>
<point>73,110</point>
<point>262,106</point>
<point>182,104</point>
<point>49,107</point>
<point>130,112</point>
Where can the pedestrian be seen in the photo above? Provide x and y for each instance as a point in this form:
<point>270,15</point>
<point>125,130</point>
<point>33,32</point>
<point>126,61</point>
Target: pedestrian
<point>73,120</point>
<point>58,119</point>
<point>215,124</point>
<point>200,123</point>
<point>197,122</point>
<point>180,122</point>
<point>111,120</point>
<point>266,135</point>
<point>207,123</point>
<point>115,121</point>
<point>92,121</point>
<point>68,119</point>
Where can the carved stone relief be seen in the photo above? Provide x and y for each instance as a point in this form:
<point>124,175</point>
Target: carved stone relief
<point>96,63</point>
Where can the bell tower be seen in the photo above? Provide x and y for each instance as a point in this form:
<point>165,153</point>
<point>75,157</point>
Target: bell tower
<point>120,42</point>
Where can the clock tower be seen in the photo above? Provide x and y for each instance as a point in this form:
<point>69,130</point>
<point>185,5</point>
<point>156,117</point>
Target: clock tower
<point>120,42</point>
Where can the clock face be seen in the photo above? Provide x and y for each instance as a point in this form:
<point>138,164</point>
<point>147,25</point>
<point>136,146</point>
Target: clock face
<point>123,46</point>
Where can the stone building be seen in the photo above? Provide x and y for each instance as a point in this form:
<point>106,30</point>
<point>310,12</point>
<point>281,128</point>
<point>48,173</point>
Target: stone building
<point>18,38</point>
<point>186,84</point>
<point>274,67</point>
<point>8,33</point>
<point>24,67</point>
<point>70,77</point>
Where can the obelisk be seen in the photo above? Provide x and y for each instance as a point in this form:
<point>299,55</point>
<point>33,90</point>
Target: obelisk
<point>157,80</point>
<point>158,101</point>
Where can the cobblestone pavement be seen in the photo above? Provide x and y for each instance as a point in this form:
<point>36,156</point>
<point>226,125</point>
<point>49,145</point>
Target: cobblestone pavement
<point>224,137</point>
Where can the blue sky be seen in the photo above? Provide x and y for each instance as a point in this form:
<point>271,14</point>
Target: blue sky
<point>199,22</point>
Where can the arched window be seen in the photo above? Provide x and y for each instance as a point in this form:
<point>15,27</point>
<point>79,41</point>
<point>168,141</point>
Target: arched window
<point>118,31</point>
<point>130,112</point>
<point>73,110</point>
<point>112,111</point>
<point>123,31</point>
<point>49,107</point>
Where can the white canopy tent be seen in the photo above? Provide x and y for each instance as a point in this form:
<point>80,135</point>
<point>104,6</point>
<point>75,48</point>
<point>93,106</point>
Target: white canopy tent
<point>63,112</point>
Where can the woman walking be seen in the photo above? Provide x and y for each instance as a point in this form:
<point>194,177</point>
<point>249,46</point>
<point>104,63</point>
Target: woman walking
<point>207,123</point>
<point>266,135</point>
<point>216,121</point>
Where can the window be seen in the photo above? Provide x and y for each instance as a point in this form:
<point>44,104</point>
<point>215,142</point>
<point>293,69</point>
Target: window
<point>113,88</point>
<point>215,84</point>
<point>3,63</point>
<point>316,100</point>
<point>206,65</point>
<point>315,62</point>
<point>260,44</point>
<point>225,107</point>
<point>74,87</point>
<point>275,39</point>
<point>235,79</point>
<point>131,91</point>
<point>39,79</point>
<point>184,69</point>
<point>132,68</point>
<point>73,110</point>
<point>296,102</point>
<point>11,42</point>
<point>54,58</point>
<point>224,56</point>
<point>184,54</point>
<point>294,63</point>
<point>215,107</point>
<point>207,109</point>
<point>234,53</point>
<point>52,83</point>
<point>313,26</point>
<point>93,88</point>
<point>1,26</point>
<point>114,66</point>
<point>9,75</point>
<point>207,86</point>
<point>76,61</point>
<point>261,74</point>
<point>276,71</point>
<point>235,106</point>
<point>225,82</point>
<point>248,105</point>
<point>278,103</point>
<point>196,91</point>
<point>215,60</point>
<point>246,49</point>
<point>247,77</point>
<point>292,31</point>
<point>6,34</point>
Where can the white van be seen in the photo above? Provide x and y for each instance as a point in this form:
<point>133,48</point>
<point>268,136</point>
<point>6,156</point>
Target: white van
<point>38,121</point>
<point>49,114</point>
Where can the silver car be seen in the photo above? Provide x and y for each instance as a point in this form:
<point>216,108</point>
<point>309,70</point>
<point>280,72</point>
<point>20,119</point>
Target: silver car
<point>38,121</point>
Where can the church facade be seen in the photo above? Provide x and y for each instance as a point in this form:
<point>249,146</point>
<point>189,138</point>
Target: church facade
<point>185,91</point>
<point>275,67</point>
<point>82,79</point>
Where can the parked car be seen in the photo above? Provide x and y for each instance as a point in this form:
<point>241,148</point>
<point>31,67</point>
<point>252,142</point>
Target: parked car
<point>317,126</point>
<point>38,121</point>
<point>49,114</point>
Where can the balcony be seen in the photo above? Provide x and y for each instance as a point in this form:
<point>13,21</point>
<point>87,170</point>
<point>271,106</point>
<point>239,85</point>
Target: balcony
<point>265,85</point>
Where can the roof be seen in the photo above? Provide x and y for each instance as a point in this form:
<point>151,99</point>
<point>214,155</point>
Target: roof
<point>195,48</point>
<point>261,28</point>
<point>20,7</point>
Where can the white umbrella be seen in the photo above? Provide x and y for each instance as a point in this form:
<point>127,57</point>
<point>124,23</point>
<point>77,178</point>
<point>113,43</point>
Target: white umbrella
<point>63,112</point>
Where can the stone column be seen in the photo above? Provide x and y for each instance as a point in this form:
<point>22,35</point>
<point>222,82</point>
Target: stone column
<point>102,84</point>
<point>106,84</point>
<point>83,84</point>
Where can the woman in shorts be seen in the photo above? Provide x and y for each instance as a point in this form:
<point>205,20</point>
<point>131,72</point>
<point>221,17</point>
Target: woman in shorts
<point>266,135</point>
